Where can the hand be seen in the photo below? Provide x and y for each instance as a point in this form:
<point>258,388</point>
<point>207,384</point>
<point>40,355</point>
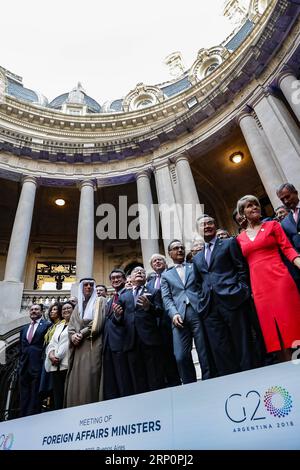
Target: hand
<point>55,361</point>
<point>297,262</point>
<point>143,302</point>
<point>177,321</point>
<point>118,310</point>
<point>76,338</point>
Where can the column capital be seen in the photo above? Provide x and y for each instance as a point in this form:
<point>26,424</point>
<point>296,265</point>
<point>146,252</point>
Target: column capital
<point>89,183</point>
<point>158,165</point>
<point>243,114</point>
<point>285,72</point>
<point>261,93</point>
<point>146,173</point>
<point>29,179</point>
<point>182,156</point>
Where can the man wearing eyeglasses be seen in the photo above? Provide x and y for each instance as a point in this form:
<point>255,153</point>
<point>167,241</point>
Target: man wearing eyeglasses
<point>222,280</point>
<point>116,382</point>
<point>180,299</point>
<point>137,313</point>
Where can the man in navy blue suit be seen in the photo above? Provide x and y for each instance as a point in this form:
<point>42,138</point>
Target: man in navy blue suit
<point>31,361</point>
<point>116,381</point>
<point>221,274</point>
<point>288,195</point>
<point>159,265</point>
<point>181,302</point>
<point>137,313</point>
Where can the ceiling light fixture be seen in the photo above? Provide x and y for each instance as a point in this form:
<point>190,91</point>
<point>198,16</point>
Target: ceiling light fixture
<point>60,202</point>
<point>236,157</point>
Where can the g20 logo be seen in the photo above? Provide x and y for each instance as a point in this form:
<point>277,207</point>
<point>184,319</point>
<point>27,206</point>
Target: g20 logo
<point>6,441</point>
<point>277,401</point>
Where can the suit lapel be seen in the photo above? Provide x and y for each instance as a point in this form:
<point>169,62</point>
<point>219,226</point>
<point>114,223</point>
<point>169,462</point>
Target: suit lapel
<point>188,270</point>
<point>213,255</point>
<point>292,221</point>
<point>175,274</point>
<point>202,260</point>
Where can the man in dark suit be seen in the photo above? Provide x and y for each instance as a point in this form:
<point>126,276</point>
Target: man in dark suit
<point>288,195</point>
<point>159,265</point>
<point>137,313</point>
<point>116,380</point>
<point>31,361</point>
<point>221,274</point>
<point>181,301</point>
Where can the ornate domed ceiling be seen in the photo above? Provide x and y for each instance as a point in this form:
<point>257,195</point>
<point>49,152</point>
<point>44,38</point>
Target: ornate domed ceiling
<point>241,13</point>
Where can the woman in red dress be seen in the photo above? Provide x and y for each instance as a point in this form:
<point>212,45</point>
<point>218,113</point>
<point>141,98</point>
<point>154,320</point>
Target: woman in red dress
<point>275,293</point>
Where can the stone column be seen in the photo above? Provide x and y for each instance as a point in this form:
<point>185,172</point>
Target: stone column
<point>147,219</point>
<point>191,208</point>
<point>85,231</point>
<point>11,289</point>
<point>262,157</point>
<point>282,133</point>
<point>290,87</point>
<point>170,222</point>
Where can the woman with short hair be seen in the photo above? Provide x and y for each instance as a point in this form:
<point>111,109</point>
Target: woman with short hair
<point>57,356</point>
<point>275,293</point>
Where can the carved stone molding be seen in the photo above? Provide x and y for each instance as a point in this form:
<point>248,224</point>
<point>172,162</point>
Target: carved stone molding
<point>207,61</point>
<point>142,96</point>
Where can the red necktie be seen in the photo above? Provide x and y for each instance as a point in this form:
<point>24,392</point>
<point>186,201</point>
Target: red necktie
<point>31,331</point>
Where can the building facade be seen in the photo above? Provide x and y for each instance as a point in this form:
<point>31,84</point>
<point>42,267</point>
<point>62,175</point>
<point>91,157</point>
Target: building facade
<point>170,144</point>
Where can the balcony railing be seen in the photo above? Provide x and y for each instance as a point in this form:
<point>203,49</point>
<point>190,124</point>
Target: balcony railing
<point>45,297</point>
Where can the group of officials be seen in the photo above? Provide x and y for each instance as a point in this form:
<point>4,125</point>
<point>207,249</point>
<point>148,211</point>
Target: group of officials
<point>141,339</point>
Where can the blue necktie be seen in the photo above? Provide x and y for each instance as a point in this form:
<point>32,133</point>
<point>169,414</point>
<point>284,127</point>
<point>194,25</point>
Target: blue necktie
<point>208,253</point>
<point>136,294</point>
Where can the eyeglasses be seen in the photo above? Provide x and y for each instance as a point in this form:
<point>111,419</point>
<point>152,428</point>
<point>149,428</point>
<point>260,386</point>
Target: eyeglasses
<point>176,248</point>
<point>85,284</point>
<point>208,222</point>
<point>138,271</point>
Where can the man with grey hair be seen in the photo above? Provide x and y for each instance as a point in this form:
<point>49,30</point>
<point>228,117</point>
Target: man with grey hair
<point>288,195</point>
<point>181,302</point>
<point>221,274</point>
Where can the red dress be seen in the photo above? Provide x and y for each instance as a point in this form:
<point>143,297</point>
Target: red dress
<point>275,293</point>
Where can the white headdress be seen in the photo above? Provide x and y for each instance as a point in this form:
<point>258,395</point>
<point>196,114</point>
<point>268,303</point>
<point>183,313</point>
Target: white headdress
<point>89,309</point>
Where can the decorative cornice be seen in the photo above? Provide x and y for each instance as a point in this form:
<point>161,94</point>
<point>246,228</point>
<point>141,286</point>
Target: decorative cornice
<point>135,139</point>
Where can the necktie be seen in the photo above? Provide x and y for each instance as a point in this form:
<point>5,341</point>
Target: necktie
<point>295,215</point>
<point>136,294</point>
<point>31,331</point>
<point>208,253</point>
<point>157,282</point>
<point>180,270</point>
<point>116,298</point>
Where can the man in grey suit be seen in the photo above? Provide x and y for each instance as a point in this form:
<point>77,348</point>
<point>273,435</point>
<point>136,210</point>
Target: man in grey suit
<point>180,299</point>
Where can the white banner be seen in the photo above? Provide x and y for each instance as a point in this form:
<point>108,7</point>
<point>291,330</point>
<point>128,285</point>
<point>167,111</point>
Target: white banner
<point>259,409</point>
